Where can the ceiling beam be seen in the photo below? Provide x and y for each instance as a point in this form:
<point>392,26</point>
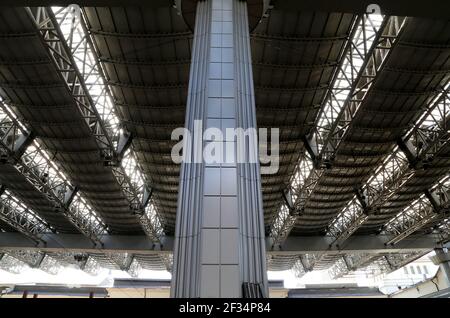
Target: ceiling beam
<point>416,151</point>
<point>143,245</point>
<point>432,206</point>
<point>22,219</point>
<point>75,59</point>
<point>370,43</point>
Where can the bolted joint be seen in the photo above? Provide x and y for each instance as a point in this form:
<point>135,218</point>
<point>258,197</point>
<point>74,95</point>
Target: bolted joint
<point>109,158</point>
<point>137,209</point>
<point>124,142</point>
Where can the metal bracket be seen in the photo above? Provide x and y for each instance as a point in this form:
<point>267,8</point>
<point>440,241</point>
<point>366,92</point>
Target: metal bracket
<point>410,152</point>
<point>125,139</point>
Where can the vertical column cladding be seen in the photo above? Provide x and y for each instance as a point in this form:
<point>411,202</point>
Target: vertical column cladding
<point>219,239</point>
<point>220,276</point>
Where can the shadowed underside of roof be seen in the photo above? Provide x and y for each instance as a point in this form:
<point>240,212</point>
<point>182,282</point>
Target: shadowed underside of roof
<point>145,53</point>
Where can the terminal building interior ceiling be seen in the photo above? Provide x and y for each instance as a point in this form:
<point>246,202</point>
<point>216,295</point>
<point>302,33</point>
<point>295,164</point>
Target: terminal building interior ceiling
<point>88,102</point>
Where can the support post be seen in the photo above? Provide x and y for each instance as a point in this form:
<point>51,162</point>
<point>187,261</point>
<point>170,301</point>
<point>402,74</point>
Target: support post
<point>442,258</point>
<point>219,238</point>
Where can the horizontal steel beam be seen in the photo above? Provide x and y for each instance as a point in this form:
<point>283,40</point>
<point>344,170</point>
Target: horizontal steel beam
<point>143,245</point>
<point>430,9</point>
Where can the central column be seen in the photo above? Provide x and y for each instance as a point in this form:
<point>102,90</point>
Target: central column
<point>219,239</point>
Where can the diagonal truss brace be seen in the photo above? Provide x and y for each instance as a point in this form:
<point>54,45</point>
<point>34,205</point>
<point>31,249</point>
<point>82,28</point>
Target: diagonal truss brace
<point>65,35</point>
<point>60,53</point>
<point>37,168</point>
<point>11,264</point>
<point>32,258</point>
<point>13,139</point>
<point>364,57</point>
<point>22,219</point>
<point>397,169</point>
<point>350,263</point>
<point>433,205</point>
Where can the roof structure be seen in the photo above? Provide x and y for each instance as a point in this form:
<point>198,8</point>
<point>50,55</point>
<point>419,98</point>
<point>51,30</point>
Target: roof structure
<point>88,103</point>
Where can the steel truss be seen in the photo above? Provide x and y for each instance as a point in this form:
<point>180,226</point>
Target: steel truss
<point>303,265</point>
<point>91,266</point>
<point>50,265</point>
<point>13,138</point>
<point>21,218</point>
<point>417,150</point>
<point>12,265</point>
<point>376,264</point>
<point>391,262</point>
<point>65,36</point>
<point>118,261</point>
<point>91,263</point>
<point>433,205</point>
<point>35,165</point>
<point>68,258</point>
<point>32,258</point>
<point>36,259</point>
<point>443,228</point>
<point>298,269</point>
<point>167,259</point>
<point>365,55</point>
<point>135,268</point>
<point>350,263</point>
<point>338,269</point>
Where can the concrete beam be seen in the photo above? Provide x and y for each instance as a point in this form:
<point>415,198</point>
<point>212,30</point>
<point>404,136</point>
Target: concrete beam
<point>142,245</point>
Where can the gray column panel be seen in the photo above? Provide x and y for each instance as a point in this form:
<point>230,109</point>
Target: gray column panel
<point>219,239</point>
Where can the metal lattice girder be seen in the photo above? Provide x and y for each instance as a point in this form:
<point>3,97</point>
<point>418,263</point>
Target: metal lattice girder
<point>40,171</point>
<point>35,165</point>
<point>13,138</point>
<point>397,169</point>
<point>443,229</point>
<point>15,214</point>
<point>280,262</point>
<point>91,266</point>
<point>282,225</point>
<point>106,261</point>
<point>167,259</point>
<point>86,220</point>
<point>387,180</point>
<point>325,261</point>
<point>416,150</point>
<point>299,269</point>
<point>67,258</point>
<point>339,269</point>
<point>432,132</point>
<point>146,211</point>
<point>64,34</point>
<point>121,260</point>
<point>12,265</point>
<point>32,258</point>
<point>365,56</point>
<point>50,265</point>
<point>308,261</point>
<point>392,262</point>
<point>61,53</point>
<point>135,268</point>
<point>151,262</point>
<point>347,222</point>
<point>350,263</point>
<point>358,261</point>
<point>369,48</point>
<point>430,206</point>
